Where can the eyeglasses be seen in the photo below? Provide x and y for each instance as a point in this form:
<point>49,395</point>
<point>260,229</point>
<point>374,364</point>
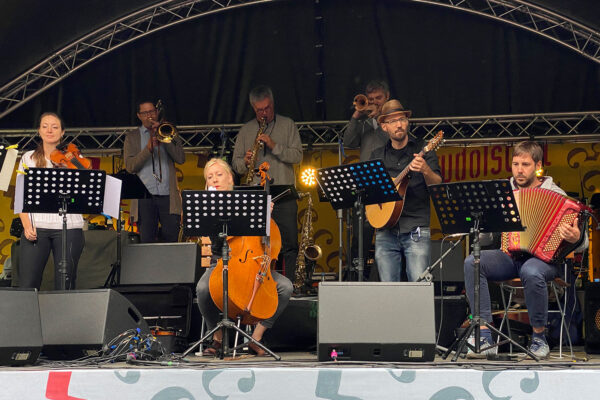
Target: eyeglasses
<point>393,121</point>
<point>146,113</point>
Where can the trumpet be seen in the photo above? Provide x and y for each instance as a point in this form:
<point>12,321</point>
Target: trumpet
<point>361,104</point>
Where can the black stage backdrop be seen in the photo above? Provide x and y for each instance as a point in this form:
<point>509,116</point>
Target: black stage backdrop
<point>315,54</point>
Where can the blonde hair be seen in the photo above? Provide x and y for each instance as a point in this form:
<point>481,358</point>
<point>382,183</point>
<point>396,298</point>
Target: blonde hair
<point>223,164</point>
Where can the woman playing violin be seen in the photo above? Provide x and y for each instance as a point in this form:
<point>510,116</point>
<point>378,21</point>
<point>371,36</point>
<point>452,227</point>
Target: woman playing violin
<point>42,231</point>
<point>219,176</point>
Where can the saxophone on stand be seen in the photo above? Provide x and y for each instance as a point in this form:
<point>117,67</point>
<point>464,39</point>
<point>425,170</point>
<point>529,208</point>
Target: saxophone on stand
<point>308,249</point>
<point>258,146</point>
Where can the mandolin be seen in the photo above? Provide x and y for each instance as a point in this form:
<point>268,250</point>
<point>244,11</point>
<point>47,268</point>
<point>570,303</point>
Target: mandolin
<point>386,215</point>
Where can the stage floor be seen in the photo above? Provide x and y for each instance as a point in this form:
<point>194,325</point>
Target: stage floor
<point>300,376</point>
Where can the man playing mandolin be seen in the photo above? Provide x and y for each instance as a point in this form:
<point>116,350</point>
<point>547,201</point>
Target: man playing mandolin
<point>409,237</point>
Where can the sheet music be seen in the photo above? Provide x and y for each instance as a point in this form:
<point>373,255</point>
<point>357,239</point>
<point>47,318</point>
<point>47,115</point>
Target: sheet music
<point>112,196</point>
<point>8,167</point>
<point>20,182</point>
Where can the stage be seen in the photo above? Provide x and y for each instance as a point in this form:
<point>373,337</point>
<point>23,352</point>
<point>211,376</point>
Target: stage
<point>300,376</point>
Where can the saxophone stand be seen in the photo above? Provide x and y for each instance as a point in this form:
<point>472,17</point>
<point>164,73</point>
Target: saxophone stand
<point>357,185</point>
<point>209,213</point>
<point>476,206</point>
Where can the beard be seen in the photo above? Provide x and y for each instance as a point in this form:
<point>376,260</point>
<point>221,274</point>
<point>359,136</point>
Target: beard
<point>527,183</point>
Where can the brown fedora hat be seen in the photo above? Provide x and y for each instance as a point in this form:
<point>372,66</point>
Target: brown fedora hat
<point>392,107</point>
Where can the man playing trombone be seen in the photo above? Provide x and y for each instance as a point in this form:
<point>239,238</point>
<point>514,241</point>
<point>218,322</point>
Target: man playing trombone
<point>152,157</point>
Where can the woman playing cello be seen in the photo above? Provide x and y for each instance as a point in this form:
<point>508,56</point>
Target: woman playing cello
<point>42,231</point>
<point>219,176</point>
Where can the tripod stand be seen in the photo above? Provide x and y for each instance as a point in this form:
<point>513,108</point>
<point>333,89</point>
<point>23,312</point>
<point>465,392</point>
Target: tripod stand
<point>251,219</point>
<point>486,205</point>
<point>357,185</point>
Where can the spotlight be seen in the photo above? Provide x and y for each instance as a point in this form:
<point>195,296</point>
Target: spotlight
<point>539,172</point>
<point>308,177</point>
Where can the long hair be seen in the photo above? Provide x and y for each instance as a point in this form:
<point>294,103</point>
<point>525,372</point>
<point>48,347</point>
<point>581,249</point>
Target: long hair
<point>38,154</point>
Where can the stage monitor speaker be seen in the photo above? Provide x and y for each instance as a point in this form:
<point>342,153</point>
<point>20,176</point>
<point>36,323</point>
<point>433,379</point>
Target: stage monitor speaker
<point>592,317</point>
<point>20,330</point>
<point>372,321</point>
<point>160,263</point>
<point>80,322</point>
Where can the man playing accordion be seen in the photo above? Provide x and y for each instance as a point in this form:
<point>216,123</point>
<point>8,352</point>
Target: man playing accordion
<point>497,265</point>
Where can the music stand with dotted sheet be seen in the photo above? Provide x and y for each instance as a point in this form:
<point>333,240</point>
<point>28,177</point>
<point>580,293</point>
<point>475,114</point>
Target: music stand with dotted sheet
<point>474,207</point>
<point>208,212</point>
<point>63,191</point>
<point>226,213</point>
<point>357,185</point>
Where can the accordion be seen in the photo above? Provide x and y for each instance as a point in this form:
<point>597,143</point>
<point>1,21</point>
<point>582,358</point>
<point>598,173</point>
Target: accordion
<point>542,211</point>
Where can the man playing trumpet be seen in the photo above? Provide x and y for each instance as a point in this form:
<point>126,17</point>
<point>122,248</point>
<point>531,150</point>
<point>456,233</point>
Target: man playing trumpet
<point>364,133</point>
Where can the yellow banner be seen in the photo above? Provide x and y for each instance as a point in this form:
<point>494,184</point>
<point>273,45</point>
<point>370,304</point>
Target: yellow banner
<point>574,167</point>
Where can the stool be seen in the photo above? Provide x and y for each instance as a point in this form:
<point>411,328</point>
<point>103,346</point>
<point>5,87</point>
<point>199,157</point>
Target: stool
<point>557,285</point>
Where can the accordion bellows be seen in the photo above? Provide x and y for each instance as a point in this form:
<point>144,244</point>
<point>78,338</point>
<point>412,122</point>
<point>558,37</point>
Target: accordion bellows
<point>542,211</point>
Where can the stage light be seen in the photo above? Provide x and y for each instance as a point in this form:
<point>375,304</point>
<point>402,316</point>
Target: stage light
<point>539,172</point>
<point>308,177</point>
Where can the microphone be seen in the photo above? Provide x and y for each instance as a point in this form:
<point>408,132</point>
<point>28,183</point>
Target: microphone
<point>212,188</point>
<point>456,235</point>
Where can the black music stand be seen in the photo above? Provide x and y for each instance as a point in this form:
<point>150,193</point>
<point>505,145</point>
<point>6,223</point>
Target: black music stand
<point>474,207</point>
<point>66,191</point>
<point>357,185</point>
<point>222,214</point>
<point>278,192</point>
<point>132,188</point>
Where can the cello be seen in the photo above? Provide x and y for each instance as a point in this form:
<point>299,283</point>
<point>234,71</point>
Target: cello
<point>252,289</point>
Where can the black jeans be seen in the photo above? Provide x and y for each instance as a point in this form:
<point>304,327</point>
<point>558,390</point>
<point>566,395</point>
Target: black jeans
<point>150,212</point>
<point>34,255</point>
<point>285,214</point>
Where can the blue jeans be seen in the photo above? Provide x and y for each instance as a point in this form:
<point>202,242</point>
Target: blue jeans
<point>496,265</point>
<point>391,245</point>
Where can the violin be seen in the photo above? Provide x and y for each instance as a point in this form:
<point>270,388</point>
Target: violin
<point>252,289</point>
<point>69,156</point>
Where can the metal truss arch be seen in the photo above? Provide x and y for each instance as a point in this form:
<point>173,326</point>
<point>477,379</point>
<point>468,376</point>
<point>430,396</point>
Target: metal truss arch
<point>64,62</point>
<point>59,65</point>
<point>551,25</point>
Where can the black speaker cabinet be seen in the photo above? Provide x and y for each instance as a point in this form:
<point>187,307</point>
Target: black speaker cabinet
<point>160,263</point>
<point>80,322</point>
<point>592,317</point>
<point>372,321</point>
<point>20,330</point>
<point>168,307</point>
<point>296,327</point>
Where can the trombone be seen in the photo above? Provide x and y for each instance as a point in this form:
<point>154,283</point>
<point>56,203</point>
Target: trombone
<point>165,132</point>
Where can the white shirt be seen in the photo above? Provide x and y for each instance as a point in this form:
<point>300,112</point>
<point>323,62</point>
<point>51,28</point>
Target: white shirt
<point>48,220</point>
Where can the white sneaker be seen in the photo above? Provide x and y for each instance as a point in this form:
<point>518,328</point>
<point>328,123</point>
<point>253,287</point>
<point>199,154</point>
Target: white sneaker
<point>539,348</point>
<point>484,349</point>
